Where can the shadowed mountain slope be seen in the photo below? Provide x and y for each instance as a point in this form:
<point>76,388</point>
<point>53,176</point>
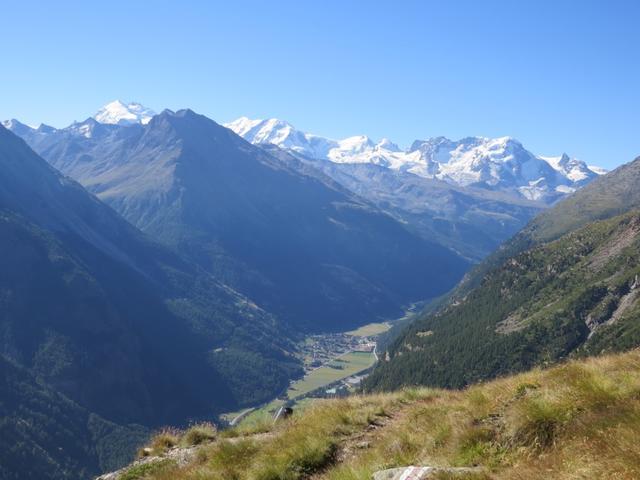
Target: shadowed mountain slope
<point>291,239</point>
<point>43,434</point>
<point>120,324</point>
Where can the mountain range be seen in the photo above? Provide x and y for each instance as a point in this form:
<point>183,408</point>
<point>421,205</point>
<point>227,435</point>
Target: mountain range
<point>469,195</point>
<point>161,268</point>
<point>99,281</point>
<point>491,163</point>
<point>277,230</point>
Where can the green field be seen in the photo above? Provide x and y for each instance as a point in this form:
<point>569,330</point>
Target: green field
<point>262,414</point>
<point>370,330</point>
<point>348,364</point>
<point>341,367</point>
<point>227,417</point>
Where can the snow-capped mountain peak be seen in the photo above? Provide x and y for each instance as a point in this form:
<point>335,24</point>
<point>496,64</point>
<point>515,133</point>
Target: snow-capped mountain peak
<point>271,130</point>
<point>17,127</point>
<point>119,113</point>
<point>386,144</point>
<point>500,163</point>
<point>282,134</point>
<point>598,170</point>
<point>575,170</point>
<point>357,144</point>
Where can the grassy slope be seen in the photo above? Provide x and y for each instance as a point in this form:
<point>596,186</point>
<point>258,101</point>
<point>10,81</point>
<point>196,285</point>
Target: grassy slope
<point>370,330</point>
<point>574,421</point>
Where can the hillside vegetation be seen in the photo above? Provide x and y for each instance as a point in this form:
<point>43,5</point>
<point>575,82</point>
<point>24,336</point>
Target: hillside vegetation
<point>113,320</point>
<point>612,194</point>
<point>573,296</point>
<point>35,421</point>
<point>574,421</point>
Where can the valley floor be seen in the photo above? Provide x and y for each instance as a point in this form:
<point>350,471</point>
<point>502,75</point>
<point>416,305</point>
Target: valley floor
<point>333,363</point>
<point>578,420</point>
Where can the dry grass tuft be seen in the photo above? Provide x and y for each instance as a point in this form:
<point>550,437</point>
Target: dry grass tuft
<point>199,433</point>
<point>162,441</point>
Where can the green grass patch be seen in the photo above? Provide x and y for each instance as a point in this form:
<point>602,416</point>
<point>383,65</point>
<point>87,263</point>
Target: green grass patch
<point>146,469</point>
<point>350,364</point>
<point>370,330</point>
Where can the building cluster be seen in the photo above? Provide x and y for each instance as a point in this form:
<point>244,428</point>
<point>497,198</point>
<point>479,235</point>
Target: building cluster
<point>318,350</point>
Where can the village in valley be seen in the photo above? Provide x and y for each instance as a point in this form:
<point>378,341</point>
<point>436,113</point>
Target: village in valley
<point>334,366</point>
<point>339,352</point>
<point>319,350</point>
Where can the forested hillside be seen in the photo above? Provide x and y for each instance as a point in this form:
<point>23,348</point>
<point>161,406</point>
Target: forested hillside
<point>98,320</point>
<point>538,300</point>
<point>43,434</point>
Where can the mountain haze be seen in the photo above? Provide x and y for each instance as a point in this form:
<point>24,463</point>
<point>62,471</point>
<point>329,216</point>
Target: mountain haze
<point>118,324</point>
<point>468,195</point>
<point>469,220</point>
<point>287,236</point>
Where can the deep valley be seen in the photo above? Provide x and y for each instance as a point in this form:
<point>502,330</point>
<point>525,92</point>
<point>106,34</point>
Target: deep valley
<point>319,240</point>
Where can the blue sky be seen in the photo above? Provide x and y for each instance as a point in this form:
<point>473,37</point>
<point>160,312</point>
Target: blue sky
<point>558,75</point>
